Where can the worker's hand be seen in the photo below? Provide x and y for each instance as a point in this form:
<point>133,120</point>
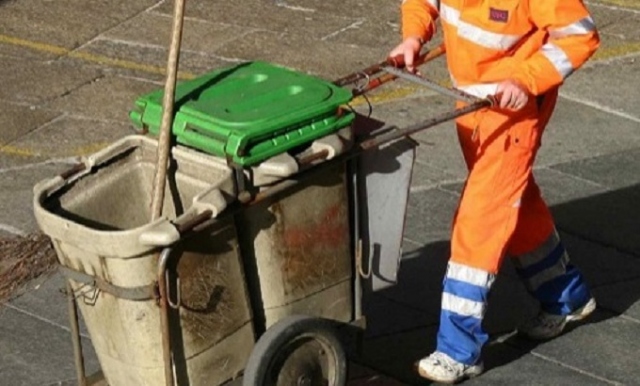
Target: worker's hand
<point>512,95</point>
<point>407,52</point>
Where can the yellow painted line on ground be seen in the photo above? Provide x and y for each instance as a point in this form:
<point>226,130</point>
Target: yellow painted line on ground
<point>100,59</point>
<point>18,151</point>
<point>617,51</point>
<point>382,96</point>
<point>74,152</point>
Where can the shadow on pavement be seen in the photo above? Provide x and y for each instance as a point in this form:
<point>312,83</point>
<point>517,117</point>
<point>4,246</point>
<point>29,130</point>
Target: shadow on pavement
<point>601,235</point>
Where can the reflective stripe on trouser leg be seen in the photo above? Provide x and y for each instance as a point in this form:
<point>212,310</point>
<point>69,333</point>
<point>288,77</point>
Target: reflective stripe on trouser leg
<point>464,301</point>
<point>551,278</point>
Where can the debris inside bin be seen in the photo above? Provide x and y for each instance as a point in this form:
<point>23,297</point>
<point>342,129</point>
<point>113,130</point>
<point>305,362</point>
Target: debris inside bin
<point>22,259</point>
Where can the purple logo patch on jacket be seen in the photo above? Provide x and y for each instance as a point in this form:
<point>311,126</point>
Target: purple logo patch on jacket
<point>498,15</point>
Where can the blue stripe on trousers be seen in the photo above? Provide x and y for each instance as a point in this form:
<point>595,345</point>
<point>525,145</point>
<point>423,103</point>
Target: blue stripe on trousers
<point>459,336</point>
<point>549,261</point>
<point>563,294</point>
<point>465,290</point>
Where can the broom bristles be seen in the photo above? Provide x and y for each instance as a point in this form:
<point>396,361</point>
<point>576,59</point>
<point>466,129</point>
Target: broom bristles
<point>22,259</point>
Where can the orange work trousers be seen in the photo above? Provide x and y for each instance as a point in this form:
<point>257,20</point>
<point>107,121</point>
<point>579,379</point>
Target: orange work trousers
<point>501,210</point>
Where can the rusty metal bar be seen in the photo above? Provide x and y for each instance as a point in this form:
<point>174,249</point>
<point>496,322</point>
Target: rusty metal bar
<point>457,94</point>
<point>306,160</point>
<point>424,57</point>
<point>405,131</point>
<point>164,316</point>
<point>77,168</point>
<point>164,139</point>
<point>75,336</point>
<point>194,222</point>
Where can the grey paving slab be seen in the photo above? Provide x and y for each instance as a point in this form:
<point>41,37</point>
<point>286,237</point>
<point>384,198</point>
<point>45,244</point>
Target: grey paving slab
<point>508,366</point>
<point>152,28</point>
<point>424,176</point>
<point>16,51</point>
<point>72,137</point>
<point>396,354</point>
<point>381,34</point>
<point>420,277</point>
<point>302,52</point>
<point>606,347</point>
<point>383,9</point>
<point>618,170</point>
<point>385,316</point>
<point>609,218</point>
<point>429,215</point>
<point>620,297</point>
<point>109,98</point>
<point>264,15</point>
<point>613,85</point>
<point>560,187</point>
<point>577,132</point>
<point>16,197</point>
<point>37,82</point>
<point>44,298</point>
<point>65,23</point>
<point>34,352</point>
<point>16,121</point>
<point>143,61</point>
<point>439,147</point>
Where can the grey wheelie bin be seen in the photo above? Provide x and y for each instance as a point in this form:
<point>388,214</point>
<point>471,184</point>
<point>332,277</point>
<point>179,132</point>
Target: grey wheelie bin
<point>260,251</point>
<point>272,124</point>
<point>97,216</point>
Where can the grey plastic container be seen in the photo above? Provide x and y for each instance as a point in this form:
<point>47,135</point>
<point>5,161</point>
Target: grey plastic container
<point>297,244</point>
<point>98,221</point>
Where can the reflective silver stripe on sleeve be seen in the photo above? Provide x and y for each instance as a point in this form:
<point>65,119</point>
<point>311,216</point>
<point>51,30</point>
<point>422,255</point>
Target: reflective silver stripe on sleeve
<point>485,38</point>
<point>470,275</point>
<point>482,90</point>
<point>558,58</point>
<point>475,34</point>
<point>449,14</point>
<point>462,306</point>
<point>581,27</point>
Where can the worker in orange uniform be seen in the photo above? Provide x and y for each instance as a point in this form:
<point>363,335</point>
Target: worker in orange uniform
<point>519,51</point>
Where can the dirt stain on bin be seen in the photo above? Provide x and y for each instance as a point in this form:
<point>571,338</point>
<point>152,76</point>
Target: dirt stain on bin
<point>211,286</point>
<point>312,247</point>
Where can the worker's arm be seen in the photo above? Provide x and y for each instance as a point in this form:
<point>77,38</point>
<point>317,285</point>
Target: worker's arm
<point>572,40</point>
<point>418,26</point>
<point>418,19</point>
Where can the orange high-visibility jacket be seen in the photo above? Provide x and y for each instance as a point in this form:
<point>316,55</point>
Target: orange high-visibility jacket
<point>537,42</point>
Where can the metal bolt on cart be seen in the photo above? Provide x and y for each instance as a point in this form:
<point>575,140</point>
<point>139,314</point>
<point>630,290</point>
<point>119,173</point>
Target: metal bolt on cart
<point>279,208</point>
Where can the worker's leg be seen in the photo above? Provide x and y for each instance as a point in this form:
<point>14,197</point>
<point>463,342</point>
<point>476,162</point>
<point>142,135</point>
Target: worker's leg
<point>499,149</point>
<point>542,261</point>
<point>540,257</point>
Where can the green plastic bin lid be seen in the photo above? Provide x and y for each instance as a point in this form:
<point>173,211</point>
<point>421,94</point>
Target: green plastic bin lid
<point>249,112</point>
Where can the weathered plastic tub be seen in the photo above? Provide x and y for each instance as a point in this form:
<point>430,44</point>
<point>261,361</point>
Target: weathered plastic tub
<point>98,220</point>
<point>297,244</point>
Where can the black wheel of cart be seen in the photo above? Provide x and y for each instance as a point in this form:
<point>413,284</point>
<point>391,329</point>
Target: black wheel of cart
<point>297,351</point>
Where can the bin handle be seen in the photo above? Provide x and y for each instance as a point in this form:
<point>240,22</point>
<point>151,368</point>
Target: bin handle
<point>193,222</point>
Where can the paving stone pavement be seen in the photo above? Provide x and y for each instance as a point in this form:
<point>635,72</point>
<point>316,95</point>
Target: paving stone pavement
<point>71,70</point>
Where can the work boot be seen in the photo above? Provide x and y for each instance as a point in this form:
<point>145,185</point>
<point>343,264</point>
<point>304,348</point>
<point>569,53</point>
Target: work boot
<point>442,368</point>
<point>546,326</point>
